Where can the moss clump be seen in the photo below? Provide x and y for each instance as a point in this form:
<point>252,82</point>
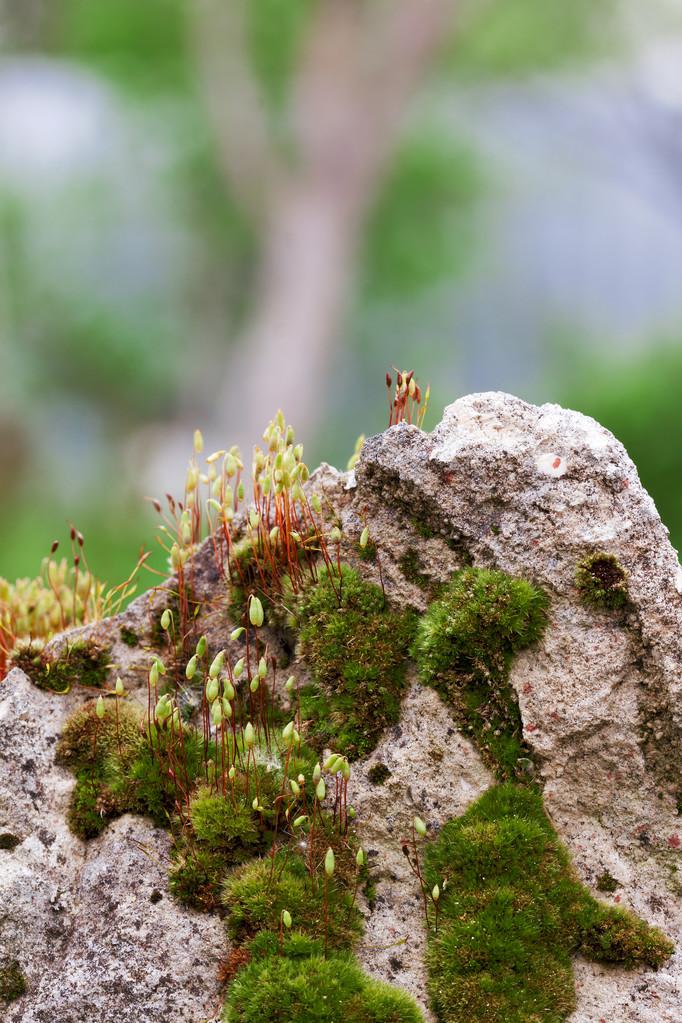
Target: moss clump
<point>218,834</point>
<point>12,981</point>
<point>223,830</point>
<point>89,746</point>
<point>9,841</point>
<point>464,646</point>
<point>302,986</point>
<point>602,581</point>
<point>606,882</point>
<point>368,552</point>
<point>356,648</point>
<point>87,740</point>
<point>117,771</point>
<point>410,565</point>
<point>513,912</point>
<point>378,774</point>
<point>83,663</point>
<point>129,636</point>
<point>257,893</point>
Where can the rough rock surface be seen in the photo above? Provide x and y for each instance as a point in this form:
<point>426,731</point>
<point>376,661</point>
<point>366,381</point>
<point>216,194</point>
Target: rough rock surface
<point>499,483</point>
<point>85,922</point>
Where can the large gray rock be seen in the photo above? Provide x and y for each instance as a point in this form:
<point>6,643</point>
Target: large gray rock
<point>499,483</point>
<point>532,491</point>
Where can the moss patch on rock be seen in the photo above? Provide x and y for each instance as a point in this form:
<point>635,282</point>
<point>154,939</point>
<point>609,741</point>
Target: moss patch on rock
<point>378,774</point>
<point>357,648</point>
<point>116,769</point>
<point>83,663</point>
<point>411,566</point>
<point>302,986</point>
<point>513,912</point>
<point>129,636</point>
<point>464,646</point>
<point>257,893</point>
<point>602,581</point>
<point>222,830</point>
<point>12,981</point>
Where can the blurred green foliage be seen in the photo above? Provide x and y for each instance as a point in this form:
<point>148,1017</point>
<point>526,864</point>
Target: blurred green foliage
<point>275,32</point>
<point>137,356</point>
<point>517,36</point>
<point>141,45</point>
<point>418,230</point>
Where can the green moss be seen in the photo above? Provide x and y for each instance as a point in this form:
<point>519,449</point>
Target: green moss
<point>129,636</point>
<point>12,981</point>
<point>87,815</point>
<point>410,565</point>
<point>512,913</point>
<point>9,841</point>
<point>117,772</point>
<point>606,882</point>
<point>464,646</point>
<point>300,988</point>
<point>218,834</point>
<point>223,830</point>
<point>256,894</point>
<point>87,740</point>
<point>368,552</point>
<point>602,581</point>
<point>423,529</point>
<point>357,650</point>
<point>83,663</point>
<point>378,774</point>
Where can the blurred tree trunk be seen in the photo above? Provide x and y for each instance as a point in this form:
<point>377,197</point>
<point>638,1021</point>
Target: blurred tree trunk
<point>361,64</point>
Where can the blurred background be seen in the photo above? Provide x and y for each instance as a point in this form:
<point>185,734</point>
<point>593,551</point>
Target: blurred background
<point>212,208</point>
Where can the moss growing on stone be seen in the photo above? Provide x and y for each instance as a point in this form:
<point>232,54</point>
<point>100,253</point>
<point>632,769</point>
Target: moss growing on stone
<point>607,883</point>
<point>117,772</point>
<point>296,987</point>
<point>129,636</point>
<point>87,740</point>
<point>356,647</point>
<point>255,896</point>
<point>12,981</point>
<point>378,774</point>
<point>83,663</point>
<point>513,912</point>
<point>602,581</point>
<point>368,552</point>
<point>464,646</point>
<point>217,835</point>
<point>410,565</point>
<point>8,841</point>
<point>89,746</point>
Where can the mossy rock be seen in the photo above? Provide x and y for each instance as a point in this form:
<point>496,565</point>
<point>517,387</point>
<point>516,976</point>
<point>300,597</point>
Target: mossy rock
<point>12,981</point>
<point>356,647</point>
<point>82,663</point>
<point>465,645</point>
<point>512,912</point>
<point>300,985</point>
<point>602,581</point>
